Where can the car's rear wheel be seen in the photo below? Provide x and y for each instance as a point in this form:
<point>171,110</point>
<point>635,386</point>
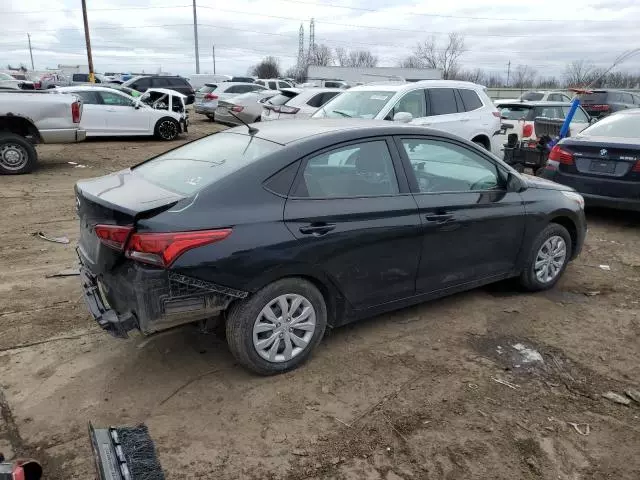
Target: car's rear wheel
<point>211,117</point>
<point>276,329</point>
<point>167,129</point>
<point>17,154</point>
<point>548,258</point>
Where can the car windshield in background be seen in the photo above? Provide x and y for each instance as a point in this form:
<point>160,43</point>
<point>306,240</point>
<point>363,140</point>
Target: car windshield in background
<point>512,112</point>
<point>532,96</point>
<point>190,168</point>
<point>620,126</point>
<point>355,104</point>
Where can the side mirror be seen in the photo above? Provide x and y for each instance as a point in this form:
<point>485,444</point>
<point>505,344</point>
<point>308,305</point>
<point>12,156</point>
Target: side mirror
<point>136,105</point>
<point>592,120</point>
<point>514,183</point>
<point>402,117</point>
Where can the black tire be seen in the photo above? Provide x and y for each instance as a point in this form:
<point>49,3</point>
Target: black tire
<point>167,129</point>
<point>17,154</point>
<point>243,314</point>
<point>481,145</point>
<point>211,116</point>
<point>528,278</point>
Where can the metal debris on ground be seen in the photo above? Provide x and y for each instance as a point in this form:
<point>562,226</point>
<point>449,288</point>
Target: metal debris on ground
<point>633,394</point>
<point>49,238</point>
<point>592,294</point>
<point>617,398</point>
<point>505,383</point>
<point>529,355</point>
<point>576,426</point>
<point>69,272</point>
<point>605,267</point>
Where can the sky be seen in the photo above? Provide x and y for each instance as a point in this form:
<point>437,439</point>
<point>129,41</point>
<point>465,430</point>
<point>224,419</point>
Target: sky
<point>157,35</point>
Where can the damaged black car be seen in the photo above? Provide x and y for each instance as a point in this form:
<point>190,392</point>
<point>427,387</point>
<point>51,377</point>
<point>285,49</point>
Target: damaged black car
<point>282,230</point>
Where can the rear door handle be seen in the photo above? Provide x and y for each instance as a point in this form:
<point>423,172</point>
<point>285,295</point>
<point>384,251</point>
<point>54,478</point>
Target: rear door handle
<point>439,217</point>
<point>317,229</point>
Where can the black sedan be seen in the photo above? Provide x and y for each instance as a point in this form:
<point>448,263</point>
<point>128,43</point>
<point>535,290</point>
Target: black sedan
<point>294,227</point>
<point>602,162</point>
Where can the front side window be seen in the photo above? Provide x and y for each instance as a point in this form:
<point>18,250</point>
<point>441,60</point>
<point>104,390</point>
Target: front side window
<point>578,117</point>
<point>114,99</point>
<point>356,170</point>
<point>356,104</point>
<point>283,85</point>
<point>412,102</point>
<point>272,86</point>
<point>447,167</point>
<point>442,101</point>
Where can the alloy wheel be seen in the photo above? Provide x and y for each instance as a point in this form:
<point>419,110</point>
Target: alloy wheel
<point>13,156</point>
<point>284,328</point>
<point>168,130</point>
<point>550,259</point>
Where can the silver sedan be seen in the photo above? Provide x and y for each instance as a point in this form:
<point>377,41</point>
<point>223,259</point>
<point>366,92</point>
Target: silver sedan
<point>247,107</point>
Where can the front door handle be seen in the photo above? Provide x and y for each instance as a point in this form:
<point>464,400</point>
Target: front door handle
<point>317,229</point>
<point>439,217</point>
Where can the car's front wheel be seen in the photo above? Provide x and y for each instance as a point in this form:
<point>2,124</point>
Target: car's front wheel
<point>277,328</point>
<point>548,258</point>
<point>167,129</point>
<point>17,154</point>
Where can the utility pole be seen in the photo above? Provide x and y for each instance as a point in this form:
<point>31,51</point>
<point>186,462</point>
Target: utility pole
<point>92,77</point>
<point>30,51</point>
<point>214,59</point>
<point>195,34</point>
<point>508,72</point>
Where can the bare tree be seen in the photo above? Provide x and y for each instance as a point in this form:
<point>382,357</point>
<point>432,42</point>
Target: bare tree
<point>524,76</point>
<point>476,76</point>
<point>410,62</point>
<point>269,67</point>
<point>580,73</point>
<point>494,81</point>
<point>548,82</point>
<point>429,55</point>
<point>320,55</point>
<point>355,58</point>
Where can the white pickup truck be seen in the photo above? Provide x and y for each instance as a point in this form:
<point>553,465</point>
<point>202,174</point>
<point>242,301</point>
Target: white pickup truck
<point>27,119</point>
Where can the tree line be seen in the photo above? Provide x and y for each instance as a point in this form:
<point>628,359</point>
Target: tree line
<point>447,57</point>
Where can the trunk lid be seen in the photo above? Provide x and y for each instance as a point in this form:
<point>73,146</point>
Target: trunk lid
<point>121,199</point>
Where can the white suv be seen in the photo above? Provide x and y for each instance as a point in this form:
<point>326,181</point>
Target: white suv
<point>460,108</point>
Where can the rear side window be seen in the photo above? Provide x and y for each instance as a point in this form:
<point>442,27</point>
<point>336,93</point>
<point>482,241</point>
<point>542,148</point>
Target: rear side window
<point>357,170</point>
<point>207,88</point>
<point>176,82</point>
<point>89,98</point>
<point>190,168</point>
<point>442,101</point>
<point>142,84</point>
<point>114,99</point>
<point>272,86</point>
<point>160,82</point>
<point>80,77</point>
<point>316,100</point>
<point>470,99</point>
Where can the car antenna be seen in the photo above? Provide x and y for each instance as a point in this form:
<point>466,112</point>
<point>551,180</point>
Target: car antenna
<point>252,130</point>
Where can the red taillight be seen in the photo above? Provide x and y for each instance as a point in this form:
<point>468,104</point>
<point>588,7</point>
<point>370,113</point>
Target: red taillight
<point>284,109</point>
<point>163,249</point>
<point>598,108</point>
<point>497,114</point>
<point>237,108</point>
<point>75,112</point>
<point>210,96</point>
<point>527,130</point>
<point>113,236</point>
<point>37,85</point>
<point>636,167</point>
<point>560,155</point>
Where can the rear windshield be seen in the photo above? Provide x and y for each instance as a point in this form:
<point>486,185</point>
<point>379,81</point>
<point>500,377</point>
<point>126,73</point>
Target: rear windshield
<point>208,88</point>
<point>281,98</point>
<point>595,97</point>
<point>190,168</point>
<point>532,96</point>
<point>515,112</point>
<point>620,126</point>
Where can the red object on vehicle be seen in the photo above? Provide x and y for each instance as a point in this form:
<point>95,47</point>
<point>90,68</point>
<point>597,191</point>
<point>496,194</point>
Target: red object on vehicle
<point>527,130</point>
<point>284,109</point>
<point>497,114</point>
<point>636,167</point>
<point>561,155</point>
<point>75,112</point>
<point>113,236</point>
<point>597,108</point>
<point>162,249</point>
<point>37,85</point>
<point>237,108</point>
<point>210,96</point>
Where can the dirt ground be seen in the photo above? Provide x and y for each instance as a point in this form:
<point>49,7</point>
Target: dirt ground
<point>432,392</point>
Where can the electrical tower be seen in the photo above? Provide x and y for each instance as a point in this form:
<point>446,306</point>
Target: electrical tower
<point>312,37</point>
<point>301,48</point>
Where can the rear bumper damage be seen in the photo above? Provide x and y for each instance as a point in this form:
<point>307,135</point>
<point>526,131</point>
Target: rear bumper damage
<point>136,297</point>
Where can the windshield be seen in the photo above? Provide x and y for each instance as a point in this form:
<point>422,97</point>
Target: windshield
<point>532,96</point>
<point>190,168</point>
<point>620,126</point>
<point>358,104</point>
<point>281,98</point>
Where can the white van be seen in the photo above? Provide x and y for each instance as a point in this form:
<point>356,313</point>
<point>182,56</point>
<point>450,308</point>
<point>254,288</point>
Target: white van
<point>198,80</point>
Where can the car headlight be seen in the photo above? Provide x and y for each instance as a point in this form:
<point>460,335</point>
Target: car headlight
<point>576,197</point>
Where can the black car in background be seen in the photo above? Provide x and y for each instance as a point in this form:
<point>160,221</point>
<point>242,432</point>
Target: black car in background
<point>171,82</point>
<point>289,227</point>
<point>602,162</point>
<point>599,103</point>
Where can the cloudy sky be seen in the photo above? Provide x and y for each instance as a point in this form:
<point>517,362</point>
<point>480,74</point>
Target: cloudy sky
<point>146,35</point>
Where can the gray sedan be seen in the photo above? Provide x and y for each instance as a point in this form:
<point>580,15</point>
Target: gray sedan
<point>247,107</point>
<point>208,96</point>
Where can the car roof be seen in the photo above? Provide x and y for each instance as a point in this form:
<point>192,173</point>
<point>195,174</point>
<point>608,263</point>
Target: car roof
<point>534,103</point>
<point>399,86</point>
<point>231,84</point>
<point>81,88</point>
<point>289,131</point>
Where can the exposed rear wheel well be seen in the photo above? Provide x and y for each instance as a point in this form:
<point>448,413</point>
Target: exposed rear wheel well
<point>567,223</point>
<point>20,126</point>
<point>483,140</point>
